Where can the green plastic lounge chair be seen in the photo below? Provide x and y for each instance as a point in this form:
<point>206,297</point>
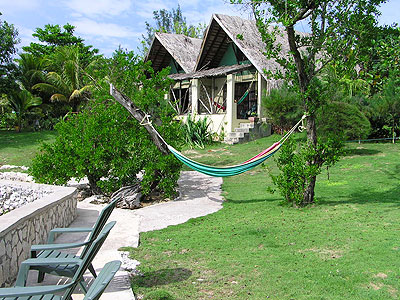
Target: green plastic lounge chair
<point>52,250</point>
<point>66,265</point>
<point>46,292</point>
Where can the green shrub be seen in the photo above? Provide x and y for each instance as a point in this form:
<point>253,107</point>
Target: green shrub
<point>283,107</point>
<point>385,110</point>
<point>344,120</point>
<point>104,143</point>
<point>158,295</point>
<point>197,133</point>
<point>291,181</point>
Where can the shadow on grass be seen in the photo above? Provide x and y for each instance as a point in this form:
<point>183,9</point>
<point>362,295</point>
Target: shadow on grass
<point>364,196</point>
<point>161,277</point>
<point>237,201</point>
<point>360,152</point>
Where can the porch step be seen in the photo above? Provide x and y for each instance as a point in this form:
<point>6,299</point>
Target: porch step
<point>243,129</point>
<point>246,132</point>
<point>246,125</point>
<point>235,135</point>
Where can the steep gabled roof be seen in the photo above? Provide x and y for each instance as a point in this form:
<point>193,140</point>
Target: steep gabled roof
<point>177,46</point>
<point>225,29</point>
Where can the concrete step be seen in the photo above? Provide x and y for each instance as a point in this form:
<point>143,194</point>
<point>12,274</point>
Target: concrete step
<point>235,135</point>
<point>231,141</point>
<point>242,129</point>
<point>246,125</point>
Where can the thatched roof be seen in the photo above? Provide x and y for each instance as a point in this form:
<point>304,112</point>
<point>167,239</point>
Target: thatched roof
<point>224,70</point>
<point>225,29</point>
<point>177,46</point>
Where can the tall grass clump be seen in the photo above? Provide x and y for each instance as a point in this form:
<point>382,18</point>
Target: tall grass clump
<point>197,133</point>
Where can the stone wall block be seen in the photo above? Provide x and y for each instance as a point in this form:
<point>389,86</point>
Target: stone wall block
<point>19,233</point>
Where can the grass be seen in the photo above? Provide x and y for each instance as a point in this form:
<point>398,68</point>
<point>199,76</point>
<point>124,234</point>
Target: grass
<point>20,148</point>
<point>345,247</point>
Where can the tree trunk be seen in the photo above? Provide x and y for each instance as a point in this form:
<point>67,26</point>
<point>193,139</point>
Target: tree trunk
<point>140,116</point>
<point>93,185</point>
<point>130,196</point>
<point>311,142</point>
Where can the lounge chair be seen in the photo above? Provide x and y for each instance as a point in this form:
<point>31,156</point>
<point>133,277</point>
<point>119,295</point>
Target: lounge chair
<point>47,292</point>
<point>66,265</point>
<point>52,250</point>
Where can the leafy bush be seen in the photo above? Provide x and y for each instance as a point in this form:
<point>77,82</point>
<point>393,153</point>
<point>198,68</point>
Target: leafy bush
<point>106,144</point>
<point>344,120</point>
<point>291,182</point>
<point>385,110</point>
<point>197,133</point>
<point>283,107</point>
<point>98,143</point>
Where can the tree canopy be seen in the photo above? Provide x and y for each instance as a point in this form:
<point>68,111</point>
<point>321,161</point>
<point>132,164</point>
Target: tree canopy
<point>8,41</point>
<point>53,36</point>
<point>336,29</point>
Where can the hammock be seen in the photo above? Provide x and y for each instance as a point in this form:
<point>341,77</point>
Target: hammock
<point>236,169</point>
<point>245,93</point>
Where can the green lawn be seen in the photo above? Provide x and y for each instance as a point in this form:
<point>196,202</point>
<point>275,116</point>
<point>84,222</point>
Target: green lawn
<point>345,247</point>
<point>19,148</point>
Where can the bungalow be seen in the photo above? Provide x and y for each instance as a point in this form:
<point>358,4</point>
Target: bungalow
<point>220,77</point>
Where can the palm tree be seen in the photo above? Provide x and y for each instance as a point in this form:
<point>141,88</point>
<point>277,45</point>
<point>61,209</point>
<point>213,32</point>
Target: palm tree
<point>21,102</point>
<point>64,80</point>
<point>32,70</point>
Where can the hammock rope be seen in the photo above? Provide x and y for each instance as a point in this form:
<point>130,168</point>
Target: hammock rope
<point>235,169</point>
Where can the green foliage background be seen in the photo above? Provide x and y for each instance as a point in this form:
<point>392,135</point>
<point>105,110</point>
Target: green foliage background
<point>105,144</point>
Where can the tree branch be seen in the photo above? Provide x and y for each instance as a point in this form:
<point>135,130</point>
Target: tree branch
<point>140,116</point>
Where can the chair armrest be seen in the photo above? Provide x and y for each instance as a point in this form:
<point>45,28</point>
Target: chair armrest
<point>54,231</point>
<point>32,290</point>
<point>26,265</point>
<point>37,248</point>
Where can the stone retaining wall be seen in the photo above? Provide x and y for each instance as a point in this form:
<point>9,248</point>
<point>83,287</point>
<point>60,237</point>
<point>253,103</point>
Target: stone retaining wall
<point>29,225</point>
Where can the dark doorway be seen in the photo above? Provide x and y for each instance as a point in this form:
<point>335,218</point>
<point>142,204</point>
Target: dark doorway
<point>246,99</point>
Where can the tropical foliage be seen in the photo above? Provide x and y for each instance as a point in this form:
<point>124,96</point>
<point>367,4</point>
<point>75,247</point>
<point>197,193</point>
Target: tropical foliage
<point>64,80</point>
<point>196,132</point>
<point>105,144</point>
<point>282,107</point>
<point>330,40</point>
<point>8,41</point>
<point>22,102</point>
<point>52,37</point>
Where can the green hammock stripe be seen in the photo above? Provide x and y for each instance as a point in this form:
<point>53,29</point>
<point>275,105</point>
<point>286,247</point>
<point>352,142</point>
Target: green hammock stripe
<point>220,171</point>
<point>243,97</point>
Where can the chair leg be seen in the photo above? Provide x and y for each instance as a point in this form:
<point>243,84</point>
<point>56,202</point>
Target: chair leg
<point>83,286</point>
<point>40,277</point>
<point>92,270</point>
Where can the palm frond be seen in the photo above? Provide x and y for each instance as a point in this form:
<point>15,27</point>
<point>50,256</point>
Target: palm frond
<point>58,98</point>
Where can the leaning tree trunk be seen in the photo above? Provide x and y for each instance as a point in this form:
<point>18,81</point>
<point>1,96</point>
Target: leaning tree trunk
<point>311,142</point>
<point>131,195</point>
<point>140,116</point>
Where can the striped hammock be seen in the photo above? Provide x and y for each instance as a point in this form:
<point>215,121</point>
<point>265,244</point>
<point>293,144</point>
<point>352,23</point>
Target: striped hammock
<point>236,169</point>
<point>226,171</point>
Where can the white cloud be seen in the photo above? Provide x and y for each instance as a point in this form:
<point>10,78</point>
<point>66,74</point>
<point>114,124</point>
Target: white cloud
<point>98,7</point>
<point>208,8</point>
<point>14,6</point>
<point>92,28</point>
<point>145,9</point>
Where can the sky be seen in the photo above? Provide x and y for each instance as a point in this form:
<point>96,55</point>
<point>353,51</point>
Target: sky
<point>108,24</point>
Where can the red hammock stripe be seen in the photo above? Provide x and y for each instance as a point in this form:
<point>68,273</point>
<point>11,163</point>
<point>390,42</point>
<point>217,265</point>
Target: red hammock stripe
<point>263,152</point>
